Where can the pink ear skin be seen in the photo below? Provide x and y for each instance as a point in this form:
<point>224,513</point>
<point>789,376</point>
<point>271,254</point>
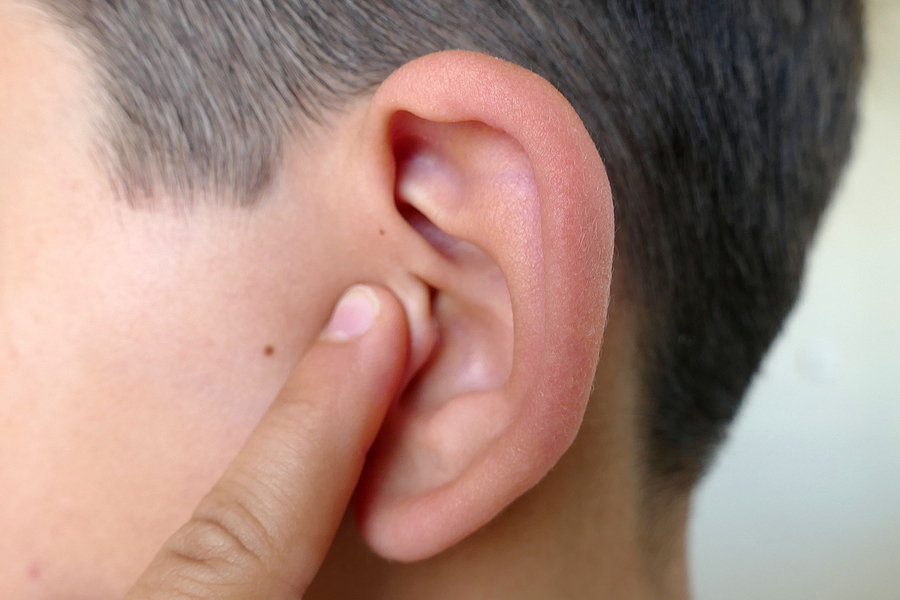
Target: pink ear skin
<point>493,168</point>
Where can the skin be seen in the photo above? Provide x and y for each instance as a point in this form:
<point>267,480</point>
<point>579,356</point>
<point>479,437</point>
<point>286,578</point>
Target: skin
<point>150,356</point>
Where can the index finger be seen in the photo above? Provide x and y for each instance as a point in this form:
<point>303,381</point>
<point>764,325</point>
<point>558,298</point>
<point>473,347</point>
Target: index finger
<point>264,529</point>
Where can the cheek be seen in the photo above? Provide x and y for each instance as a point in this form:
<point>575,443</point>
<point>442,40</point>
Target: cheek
<point>210,311</point>
<point>153,345</point>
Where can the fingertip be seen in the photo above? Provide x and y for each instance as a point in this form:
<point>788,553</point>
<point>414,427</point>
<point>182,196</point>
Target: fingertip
<point>354,314</point>
<point>391,316</point>
<point>367,338</point>
<point>363,309</point>
<point>389,336</point>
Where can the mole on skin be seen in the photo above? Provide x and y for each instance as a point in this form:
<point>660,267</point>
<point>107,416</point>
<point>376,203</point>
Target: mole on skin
<point>269,350</point>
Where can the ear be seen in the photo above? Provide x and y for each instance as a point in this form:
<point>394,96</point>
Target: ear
<point>507,217</point>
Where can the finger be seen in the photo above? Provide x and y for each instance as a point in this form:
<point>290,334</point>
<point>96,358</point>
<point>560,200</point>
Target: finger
<point>264,529</point>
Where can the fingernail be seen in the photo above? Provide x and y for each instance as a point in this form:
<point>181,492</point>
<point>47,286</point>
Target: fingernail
<point>354,314</point>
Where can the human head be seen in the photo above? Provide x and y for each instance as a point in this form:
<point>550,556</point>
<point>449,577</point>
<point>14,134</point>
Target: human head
<point>722,128</point>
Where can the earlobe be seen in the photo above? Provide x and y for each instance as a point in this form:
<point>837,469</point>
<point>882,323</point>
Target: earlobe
<point>494,171</point>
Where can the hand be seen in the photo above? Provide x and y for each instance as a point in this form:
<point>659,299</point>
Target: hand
<point>264,529</point>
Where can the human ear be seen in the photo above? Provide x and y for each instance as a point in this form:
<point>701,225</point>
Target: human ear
<point>507,218</point>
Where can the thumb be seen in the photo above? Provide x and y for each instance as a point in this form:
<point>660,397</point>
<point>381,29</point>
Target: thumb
<point>264,529</point>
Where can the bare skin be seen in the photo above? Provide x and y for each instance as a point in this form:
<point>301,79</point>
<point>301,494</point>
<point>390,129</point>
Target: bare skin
<point>150,356</point>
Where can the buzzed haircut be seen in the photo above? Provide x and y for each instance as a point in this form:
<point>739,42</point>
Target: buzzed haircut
<point>723,126</point>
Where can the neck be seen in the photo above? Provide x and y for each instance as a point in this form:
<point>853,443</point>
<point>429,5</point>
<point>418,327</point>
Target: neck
<point>581,533</point>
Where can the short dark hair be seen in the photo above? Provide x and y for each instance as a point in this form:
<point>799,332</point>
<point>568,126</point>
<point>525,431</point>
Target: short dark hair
<point>723,126</point>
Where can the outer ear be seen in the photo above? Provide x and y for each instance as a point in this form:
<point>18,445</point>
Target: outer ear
<point>491,165</point>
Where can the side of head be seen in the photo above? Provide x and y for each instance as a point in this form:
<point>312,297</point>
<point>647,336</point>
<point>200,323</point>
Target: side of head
<point>249,161</point>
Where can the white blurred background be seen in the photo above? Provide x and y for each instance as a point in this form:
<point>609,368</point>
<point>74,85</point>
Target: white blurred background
<point>804,500</point>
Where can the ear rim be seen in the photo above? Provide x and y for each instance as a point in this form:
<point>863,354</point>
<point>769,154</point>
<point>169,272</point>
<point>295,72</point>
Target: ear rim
<point>575,261</point>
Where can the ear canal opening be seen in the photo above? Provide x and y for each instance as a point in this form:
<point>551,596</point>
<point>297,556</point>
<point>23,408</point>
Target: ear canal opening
<point>421,224</point>
<point>444,243</point>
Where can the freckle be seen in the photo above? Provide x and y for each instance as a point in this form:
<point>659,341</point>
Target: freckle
<point>34,571</point>
<point>269,350</point>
